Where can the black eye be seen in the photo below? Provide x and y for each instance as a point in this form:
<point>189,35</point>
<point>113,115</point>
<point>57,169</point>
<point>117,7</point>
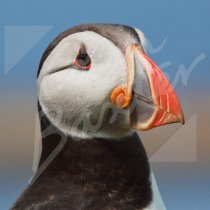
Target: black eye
<point>83,60</point>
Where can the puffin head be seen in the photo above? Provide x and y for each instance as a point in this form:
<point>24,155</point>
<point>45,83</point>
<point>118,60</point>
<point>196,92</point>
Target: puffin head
<point>97,81</point>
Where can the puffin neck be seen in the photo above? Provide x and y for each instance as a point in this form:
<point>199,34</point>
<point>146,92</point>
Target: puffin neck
<point>103,148</point>
<point>52,138</point>
<point>85,149</point>
<point>100,172</point>
<point>97,149</point>
<point>96,159</point>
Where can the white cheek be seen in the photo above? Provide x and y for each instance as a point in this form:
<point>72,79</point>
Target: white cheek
<point>71,94</point>
<point>72,89</point>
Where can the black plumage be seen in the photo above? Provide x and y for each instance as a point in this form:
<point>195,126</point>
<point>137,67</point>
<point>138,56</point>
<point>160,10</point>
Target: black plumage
<point>93,174</point>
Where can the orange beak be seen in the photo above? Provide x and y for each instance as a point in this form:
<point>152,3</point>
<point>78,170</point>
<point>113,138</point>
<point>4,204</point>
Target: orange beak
<point>148,94</point>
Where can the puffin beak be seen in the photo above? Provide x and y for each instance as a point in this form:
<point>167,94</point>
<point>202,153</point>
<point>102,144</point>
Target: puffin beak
<point>148,94</point>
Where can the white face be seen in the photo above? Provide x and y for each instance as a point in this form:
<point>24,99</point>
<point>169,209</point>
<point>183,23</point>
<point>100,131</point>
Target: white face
<point>78,101</point>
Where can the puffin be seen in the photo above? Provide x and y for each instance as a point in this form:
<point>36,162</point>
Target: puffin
<point>97,88</point>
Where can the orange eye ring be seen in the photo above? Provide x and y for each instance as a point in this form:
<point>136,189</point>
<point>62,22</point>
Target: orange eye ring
<point>76,63</point>
<point>83,60</point>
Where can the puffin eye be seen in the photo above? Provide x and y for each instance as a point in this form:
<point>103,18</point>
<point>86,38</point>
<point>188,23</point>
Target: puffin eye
<point>83,60</point>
